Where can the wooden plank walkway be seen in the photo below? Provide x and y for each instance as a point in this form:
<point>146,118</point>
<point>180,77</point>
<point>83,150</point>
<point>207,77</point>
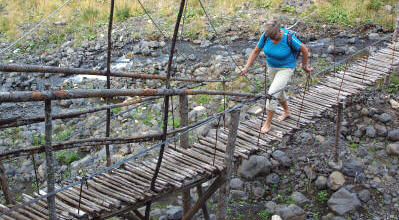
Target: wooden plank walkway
<point>128,188</point>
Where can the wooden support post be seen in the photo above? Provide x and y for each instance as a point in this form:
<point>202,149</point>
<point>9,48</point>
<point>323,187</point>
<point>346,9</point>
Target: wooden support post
<point>228,161</point>
<point>204,207</point>
<point>216,184</point>
<point>184,142</point>
<point>4,185</point>
<point>49,158</point>
<point>108,125</point>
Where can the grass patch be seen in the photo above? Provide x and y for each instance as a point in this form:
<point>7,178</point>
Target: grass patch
<point>116,110</point>
<point>394,84</point>
<point>202,99</point>
<point>63,135</point>
<point>322,196</point>
<point>122,14</point>
<point>66,157</point>
<point>265,215</point>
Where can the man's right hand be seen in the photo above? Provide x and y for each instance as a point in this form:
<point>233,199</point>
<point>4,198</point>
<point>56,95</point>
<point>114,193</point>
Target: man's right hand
<point>244,71</point>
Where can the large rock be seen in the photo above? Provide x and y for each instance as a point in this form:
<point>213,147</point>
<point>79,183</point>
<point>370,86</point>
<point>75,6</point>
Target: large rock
<point>393,148</point>
<point>385,117</point>
<point>381,130</point>
<point>370,132</point>
<point>272,179</point>
<point>255,165</point>
<point>343,201</point>
<point>394,104</point>
<point>352,168</point>
<point>299,199</point>
<point>174,213</point>
<point>336,180</point>
<point>364,195</point>
<point>281,157</point>
<point>291,212</point>
<point>393,135</point>
<point>374,36</point>
<point>236,183</point>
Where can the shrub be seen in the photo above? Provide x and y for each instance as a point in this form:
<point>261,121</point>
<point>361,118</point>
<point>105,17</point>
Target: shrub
<point>322,196</point>
<point>66,157</point>
<point>374,4</point>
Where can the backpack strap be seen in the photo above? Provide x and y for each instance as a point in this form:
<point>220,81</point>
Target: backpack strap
<point>289,42</point>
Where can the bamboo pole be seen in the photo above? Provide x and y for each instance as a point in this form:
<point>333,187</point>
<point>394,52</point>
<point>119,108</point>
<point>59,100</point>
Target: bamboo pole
<point>228,161</point>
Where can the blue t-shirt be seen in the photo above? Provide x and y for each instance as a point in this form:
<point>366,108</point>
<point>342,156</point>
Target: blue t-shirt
<point>280,55</point>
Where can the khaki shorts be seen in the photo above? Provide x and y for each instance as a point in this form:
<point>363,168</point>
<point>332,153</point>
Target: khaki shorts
<point>279,78</point>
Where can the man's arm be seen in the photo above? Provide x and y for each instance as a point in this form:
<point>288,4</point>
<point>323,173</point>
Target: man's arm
<point>305,56</point>
<point>251,60</point>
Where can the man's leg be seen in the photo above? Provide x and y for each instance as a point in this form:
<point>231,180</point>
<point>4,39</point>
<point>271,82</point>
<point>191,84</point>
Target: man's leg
<point>280,81</point>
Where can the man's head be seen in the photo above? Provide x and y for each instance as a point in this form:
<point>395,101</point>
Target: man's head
<point>272,29</point>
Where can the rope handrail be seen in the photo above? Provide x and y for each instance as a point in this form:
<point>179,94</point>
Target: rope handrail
<point>139,154</point>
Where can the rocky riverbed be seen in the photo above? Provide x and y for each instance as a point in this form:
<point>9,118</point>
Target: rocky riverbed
<point>303,185</point>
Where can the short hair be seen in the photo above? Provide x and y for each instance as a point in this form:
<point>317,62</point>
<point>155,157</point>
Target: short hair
<point>272,29</point>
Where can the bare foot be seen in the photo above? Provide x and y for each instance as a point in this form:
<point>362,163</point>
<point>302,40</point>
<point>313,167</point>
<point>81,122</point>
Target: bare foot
<point>265,128</point>
<point>284,116</point>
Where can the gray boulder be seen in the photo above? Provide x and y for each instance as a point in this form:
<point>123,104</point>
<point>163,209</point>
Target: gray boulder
<point>393,135</point>
<point>290,212</point>
<point>374,36</point>
<point>343,201</point>
<point>281,157</point>
<point>255,165</point>
<point>299,199</point>
<point>236,183</point>
<point>393,148</point>
<point>272,179</point>
<point>381,130</point>
<point>385,117</point>
<point>370,132</point>
<point>174,213</point>
<point>364,195</point>
<point>352,168</point>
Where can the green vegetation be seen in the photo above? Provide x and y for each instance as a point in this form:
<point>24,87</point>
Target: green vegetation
<point>63,135</point>
<point>322,196</point>
<point>38,140</point>
<point>123,13</point>
<point>288,8</point>
<point>66,157</point>
<point>202,99</point>
<point>265,215</point>
<point>394,84</point>
<point>116,110</point>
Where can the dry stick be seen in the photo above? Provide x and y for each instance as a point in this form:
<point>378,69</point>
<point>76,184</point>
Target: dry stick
<point>49,159</point>
<point>80,192</point>
<point>108,124</point>
<point>35,169</point>
<point>166,106</point>
<point>365,67</point>
<point>224,103</point>
<point>228,161</point>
